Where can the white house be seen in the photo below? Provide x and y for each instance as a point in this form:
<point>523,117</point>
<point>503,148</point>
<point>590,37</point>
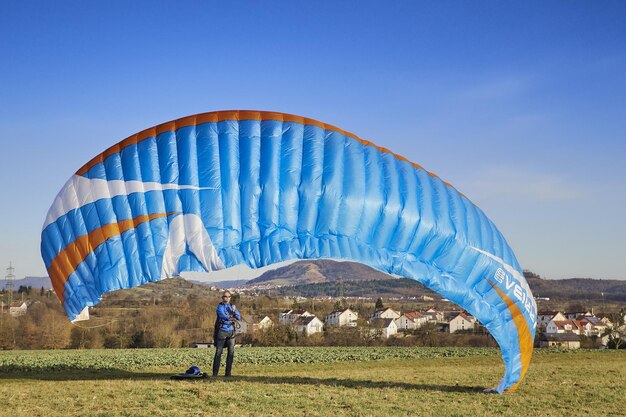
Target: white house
<point>544,317</point>
<point>593,326</point>
<point>384,327</point>
<point>404,322</point>
<point>607,321</point>
<point>418,318</point>
<point>263,323</point>
<point>251,324</point>
<point>434,315</point>
<point>290,316</point>
<point>345,317</point>
<point>385,313</point>
<point>462,322</point>
<point>308,325</point>
<point>564,326</point>
<point>411,320</point>
<point>587,326</point>
<point>597,325</point>
<point>18,308</point>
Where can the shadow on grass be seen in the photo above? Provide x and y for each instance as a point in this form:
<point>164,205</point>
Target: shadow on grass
<point>354,383</point>
<point>10,373</point>
<point>76,374</point>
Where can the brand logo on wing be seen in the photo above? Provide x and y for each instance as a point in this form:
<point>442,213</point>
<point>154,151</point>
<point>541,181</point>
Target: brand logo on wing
<point>519,292</point>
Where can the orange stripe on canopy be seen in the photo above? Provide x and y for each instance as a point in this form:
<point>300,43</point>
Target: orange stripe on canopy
<point>523,333</point>
<point>66,262</point>
<point>220,116</point>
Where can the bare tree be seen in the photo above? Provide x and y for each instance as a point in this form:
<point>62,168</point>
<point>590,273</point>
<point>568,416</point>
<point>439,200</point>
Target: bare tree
<point>615,331</point>
<point>56,331</point>
<point>8,332</point>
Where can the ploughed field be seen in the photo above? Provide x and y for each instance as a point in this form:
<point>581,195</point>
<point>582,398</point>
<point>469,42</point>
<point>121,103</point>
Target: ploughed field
<point>308,381</point>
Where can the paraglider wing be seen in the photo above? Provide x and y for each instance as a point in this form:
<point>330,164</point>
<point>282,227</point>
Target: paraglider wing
<point>219,189</point>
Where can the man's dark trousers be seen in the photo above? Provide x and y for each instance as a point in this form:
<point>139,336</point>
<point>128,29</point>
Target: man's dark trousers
<point>224,338</point>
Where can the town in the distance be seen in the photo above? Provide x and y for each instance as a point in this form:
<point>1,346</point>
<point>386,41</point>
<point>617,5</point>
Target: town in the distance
<point>320,302</point>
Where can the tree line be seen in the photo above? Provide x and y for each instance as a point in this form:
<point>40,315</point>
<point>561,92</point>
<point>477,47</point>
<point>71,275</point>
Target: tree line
<point>171,321</point>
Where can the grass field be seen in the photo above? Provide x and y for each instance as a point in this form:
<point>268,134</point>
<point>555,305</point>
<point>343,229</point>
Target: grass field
<point>309,382</point>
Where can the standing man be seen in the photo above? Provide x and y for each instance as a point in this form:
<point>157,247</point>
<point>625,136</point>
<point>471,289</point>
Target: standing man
<point>227,315</point>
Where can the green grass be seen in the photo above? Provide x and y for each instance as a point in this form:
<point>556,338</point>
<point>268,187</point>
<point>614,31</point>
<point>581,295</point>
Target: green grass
<point>308,382</point>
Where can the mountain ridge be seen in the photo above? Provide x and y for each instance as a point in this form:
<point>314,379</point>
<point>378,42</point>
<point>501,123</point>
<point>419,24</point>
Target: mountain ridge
<point>318,271</point>
<point>332,277</point>
<point>34,282</point>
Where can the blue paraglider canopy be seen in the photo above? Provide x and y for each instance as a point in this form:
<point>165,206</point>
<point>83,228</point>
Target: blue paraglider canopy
<point>215,190</point>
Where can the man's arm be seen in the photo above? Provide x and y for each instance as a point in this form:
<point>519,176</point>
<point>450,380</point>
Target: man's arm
<point>236,313</point>
<point>221,312</point>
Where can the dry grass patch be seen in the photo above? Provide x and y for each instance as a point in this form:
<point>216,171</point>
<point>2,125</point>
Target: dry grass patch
<point>558,383</point>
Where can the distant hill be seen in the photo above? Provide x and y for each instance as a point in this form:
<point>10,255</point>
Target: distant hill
<point>35,282</point>
<point>318,271</point>
<point>221,284</point>
<point>320,278</point>
<point>311,278</point>
<point>577,289</point>
<point>388,288</point>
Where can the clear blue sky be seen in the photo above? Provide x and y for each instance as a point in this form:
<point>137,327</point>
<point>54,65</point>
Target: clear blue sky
<point>520,105</point>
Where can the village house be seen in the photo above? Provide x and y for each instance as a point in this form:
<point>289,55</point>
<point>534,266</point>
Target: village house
<point>544,317</point>
<point>559,340</point>
<point>385,313</point>
<point>585,324</point>
<point>384,328</point>
<point>578,315</point>
<point>434,315</point>
<point>564,326</point>
<point>461,321</point>
<point>404,322</point>
<point>597,325</point>
<point>411,320</point>
<point>586,328</point>
<point>594,327</point>
<point>18,308</point>
<point>419,319</point>
<point>251,324</point>
<point>290,316</point>
<point>308,325</point>
<point>262,322</point>
<point>339,318</point>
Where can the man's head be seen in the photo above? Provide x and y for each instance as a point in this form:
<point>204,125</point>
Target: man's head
<point>226,296</point>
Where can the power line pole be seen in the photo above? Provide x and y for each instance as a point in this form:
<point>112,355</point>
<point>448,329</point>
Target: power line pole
<point>9,285</point>
<point>339,286</point>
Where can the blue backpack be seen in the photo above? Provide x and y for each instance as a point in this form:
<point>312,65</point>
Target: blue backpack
<point>191,373</point>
